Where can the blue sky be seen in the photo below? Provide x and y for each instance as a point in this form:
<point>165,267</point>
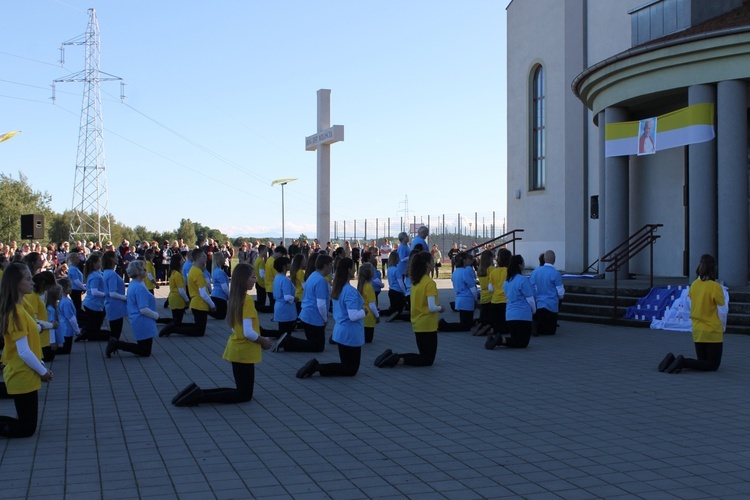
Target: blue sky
<point>220,96</point>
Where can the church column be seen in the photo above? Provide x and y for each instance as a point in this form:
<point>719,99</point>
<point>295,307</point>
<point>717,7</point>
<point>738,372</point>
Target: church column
<point>731,144</point>
<point>616,192</point>
<point>702,207</point>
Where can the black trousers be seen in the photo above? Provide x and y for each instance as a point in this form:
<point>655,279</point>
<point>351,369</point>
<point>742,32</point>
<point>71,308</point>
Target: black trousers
<point>197,329</point>
<point>92,325</point>
<point>141,348</point>
<point>221,309</point>
<point>484,314</point>
<point>348,367</point>
<point>497,316</point>
<point>115,327</point>
<point>244,379</point>
<point>520,334</point>
<point>546,321</point>
<point>48,355</point>
<point>369,334</point>
<point>466,318</point>
<point>66,347</point>
<point>427,343</point>
<point>27,408</point>
<point>397,300</point>
<point>260,304</point>
<point>314,341</point>
<point>709,357</point>
<point>177,316</point>
<point>77,297</point>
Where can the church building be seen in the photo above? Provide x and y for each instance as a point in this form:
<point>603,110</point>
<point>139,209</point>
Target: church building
<point>623,113</point>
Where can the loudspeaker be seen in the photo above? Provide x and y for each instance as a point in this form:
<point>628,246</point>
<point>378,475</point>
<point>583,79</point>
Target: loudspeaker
<point>32,227</point>
<point>594,210</point>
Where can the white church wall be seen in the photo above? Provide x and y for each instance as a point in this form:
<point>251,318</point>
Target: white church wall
<point>535,36</point>
<point>609,28</point>
<point>656,197</point>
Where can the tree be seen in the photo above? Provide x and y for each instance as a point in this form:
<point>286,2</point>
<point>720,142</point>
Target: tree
<point>302,237</point>
<point>18,198</point>
<point>186,231</point>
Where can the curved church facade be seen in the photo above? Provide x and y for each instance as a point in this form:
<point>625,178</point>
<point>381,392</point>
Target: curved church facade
<point>624,113</point>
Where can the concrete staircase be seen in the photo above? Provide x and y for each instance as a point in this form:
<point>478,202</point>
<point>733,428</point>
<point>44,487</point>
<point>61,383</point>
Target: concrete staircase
<point>591,301</point>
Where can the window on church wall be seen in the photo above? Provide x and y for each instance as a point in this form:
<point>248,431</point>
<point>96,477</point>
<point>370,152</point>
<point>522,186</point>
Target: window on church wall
<point>538,131</point>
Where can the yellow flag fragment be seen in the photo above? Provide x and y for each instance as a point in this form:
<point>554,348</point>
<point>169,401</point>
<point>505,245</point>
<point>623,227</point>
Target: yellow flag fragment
<point>8,135</point>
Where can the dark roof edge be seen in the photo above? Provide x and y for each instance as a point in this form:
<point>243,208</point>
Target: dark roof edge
<point>642,49</point>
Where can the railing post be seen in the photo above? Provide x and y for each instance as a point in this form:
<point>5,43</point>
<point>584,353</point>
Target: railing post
<point>651,245</point>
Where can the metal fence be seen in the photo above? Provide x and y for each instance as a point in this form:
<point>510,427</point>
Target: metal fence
<point>462,228</point>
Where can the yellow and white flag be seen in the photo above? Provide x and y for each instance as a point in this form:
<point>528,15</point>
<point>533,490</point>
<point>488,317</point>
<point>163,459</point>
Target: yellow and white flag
<point>8,135</point>
<point>690,125</point>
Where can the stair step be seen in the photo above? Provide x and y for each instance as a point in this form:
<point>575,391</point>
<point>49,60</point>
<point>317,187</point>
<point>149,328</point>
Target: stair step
<point>589,318</point>
<point>604,310</point>
<point>585,298</point>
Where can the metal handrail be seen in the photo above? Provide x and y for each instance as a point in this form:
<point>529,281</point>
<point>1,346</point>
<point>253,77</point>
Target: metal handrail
<point>632,246</point>
<point>514,238</point>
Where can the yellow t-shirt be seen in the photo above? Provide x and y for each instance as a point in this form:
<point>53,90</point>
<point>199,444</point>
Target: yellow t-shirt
<point>497,278</point>
<point>196,281</point>
<point>34,305</point>
<point>705,296</point>
<point>19,377</point>
<point>369,296</point>
<point>485,296</point>
<point>298,289</point>
<point>176,281</point>
<point>270,274</point>
<point>149,270</point>
<point>422,320</point>
<point>239,349</point>
<point>259,264</point>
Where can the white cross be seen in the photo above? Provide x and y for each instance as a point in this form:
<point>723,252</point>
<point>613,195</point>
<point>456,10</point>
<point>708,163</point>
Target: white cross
<point>321,141</point>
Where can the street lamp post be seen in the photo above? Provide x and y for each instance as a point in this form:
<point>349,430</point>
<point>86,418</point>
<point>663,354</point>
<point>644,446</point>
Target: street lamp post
<point>283,183</point>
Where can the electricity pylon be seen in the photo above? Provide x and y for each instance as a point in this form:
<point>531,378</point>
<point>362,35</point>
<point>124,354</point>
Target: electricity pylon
<point>90,220</point>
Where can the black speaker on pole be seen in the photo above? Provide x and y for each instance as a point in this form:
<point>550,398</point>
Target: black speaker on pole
<point>594,210</point>
<point>32,227</point>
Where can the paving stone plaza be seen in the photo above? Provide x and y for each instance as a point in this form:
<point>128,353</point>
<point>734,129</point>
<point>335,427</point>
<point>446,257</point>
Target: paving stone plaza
<point>584,414</point>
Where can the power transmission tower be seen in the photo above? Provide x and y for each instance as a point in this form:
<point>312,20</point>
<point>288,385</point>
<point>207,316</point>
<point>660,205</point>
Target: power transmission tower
<point>90,220</point>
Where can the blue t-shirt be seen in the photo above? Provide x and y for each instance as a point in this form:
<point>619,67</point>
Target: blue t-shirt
<point>65,309</point>
<point>186,269</point>
<point>115,308</point>
<point>394,280</point>
<point>403,252</point>
<point>57,338</point>
<point>377,281</point>
<point>516,291</point>
<point>283,310</point>
<point>138,298</point>
<point>345,331</point>
<point>316,287</point>
<point>544,281</point>
<point>75,275</point>
<point>464,286</point>
<point>418,240</point>
<point>218,277</point>
<point>94,280</point>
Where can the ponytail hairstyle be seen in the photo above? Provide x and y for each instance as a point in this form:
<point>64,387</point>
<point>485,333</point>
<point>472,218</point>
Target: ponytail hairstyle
<point>88,268</point>
<point>64,283</point>
<point>54,294</point>
<point>418,268</point>
<point>109,259</point>
<point>43,281</point>
<point>341,277</point>
<point>9,294</point>
<point>311,264</point>
<point>366,273</point>
<point>485,262</point>
<point>503,257</point>
<point>298,262</point>
<point>175,263</point>
<point>706,269</point>
<point>460,259</point>
<point>514,267</point>
<point>238,293</point>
